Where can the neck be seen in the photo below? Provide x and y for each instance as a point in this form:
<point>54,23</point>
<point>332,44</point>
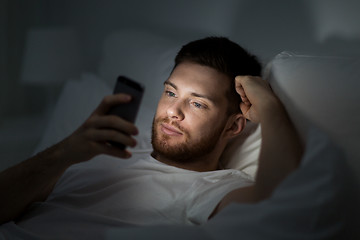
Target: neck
<point>207,162</point>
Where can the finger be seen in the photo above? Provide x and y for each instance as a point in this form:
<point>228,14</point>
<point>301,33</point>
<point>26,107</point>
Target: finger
<point>240,90</point>
<point>109,135</point>
<point>112,122</point>
<point>110,101</point>
<point>245,100</point>
<point>245,109</point>
<point>238,86</point>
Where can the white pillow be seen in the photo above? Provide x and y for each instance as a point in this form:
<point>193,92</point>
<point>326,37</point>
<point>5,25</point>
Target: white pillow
<point>243,152</point>
<point>323,91</point>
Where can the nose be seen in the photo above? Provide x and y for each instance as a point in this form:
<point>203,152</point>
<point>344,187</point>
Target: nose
<point>175,111</point>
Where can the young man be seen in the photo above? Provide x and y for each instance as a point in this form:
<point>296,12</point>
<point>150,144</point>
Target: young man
<point>205,103</point>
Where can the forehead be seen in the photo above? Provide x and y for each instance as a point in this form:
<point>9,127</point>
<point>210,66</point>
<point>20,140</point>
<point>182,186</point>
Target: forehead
<point>203,80</point>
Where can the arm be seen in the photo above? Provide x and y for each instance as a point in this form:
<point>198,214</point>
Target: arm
<point>34,179</point>
<point>281,148</point>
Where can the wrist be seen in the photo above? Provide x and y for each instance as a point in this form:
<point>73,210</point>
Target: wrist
<point>271,108</point>
<point>55,155</point>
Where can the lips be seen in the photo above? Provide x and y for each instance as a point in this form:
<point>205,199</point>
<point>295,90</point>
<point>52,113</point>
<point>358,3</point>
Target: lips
<point>170,130</point>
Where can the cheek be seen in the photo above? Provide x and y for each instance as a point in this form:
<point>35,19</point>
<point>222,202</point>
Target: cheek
<point>161,107</point>
<point>199,126</point>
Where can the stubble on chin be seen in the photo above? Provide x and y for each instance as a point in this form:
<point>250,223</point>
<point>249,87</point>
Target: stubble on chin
<point>161,142</point>
<point>184,151</point>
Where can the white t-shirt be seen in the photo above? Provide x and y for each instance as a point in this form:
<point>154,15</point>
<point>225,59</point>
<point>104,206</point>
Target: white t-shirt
<point>141,191</point>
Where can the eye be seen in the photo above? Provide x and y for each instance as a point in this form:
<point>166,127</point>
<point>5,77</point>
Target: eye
<point>199,105</point>
<point>170,94</point>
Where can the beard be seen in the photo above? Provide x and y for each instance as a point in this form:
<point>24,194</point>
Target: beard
<point>186,151</point>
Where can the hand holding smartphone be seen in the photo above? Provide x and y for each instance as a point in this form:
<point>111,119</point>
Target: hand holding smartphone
<point>129,110</point>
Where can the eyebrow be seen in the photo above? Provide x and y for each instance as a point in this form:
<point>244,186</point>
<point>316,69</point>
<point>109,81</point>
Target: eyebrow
<point>167,82</point>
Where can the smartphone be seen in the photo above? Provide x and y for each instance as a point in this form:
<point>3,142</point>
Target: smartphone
<point>127,111</point>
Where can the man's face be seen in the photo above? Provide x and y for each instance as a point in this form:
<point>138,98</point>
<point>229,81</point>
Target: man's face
<point>191,112</point>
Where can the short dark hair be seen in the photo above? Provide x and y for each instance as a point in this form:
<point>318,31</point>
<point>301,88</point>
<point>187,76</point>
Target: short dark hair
<point>226,57</point>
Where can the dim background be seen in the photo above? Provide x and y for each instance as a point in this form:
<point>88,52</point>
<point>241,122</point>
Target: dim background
<point>318,27</point>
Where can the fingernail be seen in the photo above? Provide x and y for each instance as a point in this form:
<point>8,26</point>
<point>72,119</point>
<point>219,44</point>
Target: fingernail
<point>134,143</point>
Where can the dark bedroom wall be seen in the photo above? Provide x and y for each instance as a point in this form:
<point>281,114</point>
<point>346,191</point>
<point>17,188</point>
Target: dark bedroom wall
<point>264,27</point>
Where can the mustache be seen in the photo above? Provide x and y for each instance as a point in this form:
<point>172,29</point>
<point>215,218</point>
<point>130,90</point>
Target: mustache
<point>172,123</point>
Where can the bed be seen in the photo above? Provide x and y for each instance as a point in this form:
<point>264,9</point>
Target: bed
<point>317,201</point>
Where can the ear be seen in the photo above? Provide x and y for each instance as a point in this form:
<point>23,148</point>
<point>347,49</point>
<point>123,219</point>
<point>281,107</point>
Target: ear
<point>236,123</point>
